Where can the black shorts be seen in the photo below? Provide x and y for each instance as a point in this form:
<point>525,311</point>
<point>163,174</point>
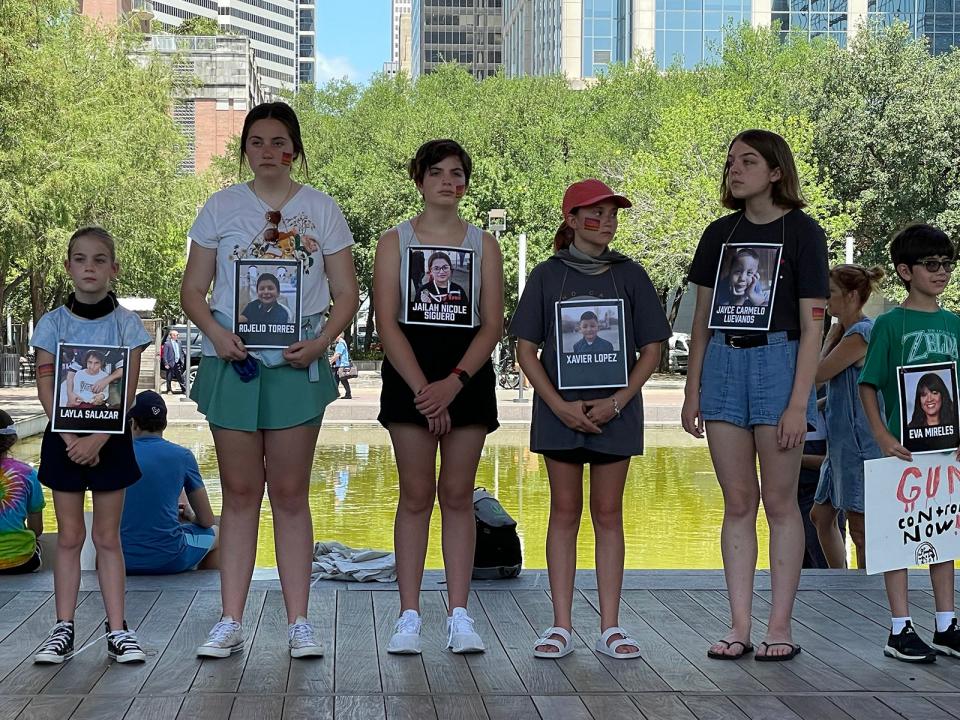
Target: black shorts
<point>116,470</point>
<point>583,456</point>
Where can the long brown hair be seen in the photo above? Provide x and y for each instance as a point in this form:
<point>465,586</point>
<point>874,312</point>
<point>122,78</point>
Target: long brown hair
<point>775,150</point>
<point>563,238</point>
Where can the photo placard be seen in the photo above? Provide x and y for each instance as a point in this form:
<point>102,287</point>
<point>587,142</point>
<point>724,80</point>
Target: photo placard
<point>90,384</point>
<point>745,287</point>
<point>591,342</point>
<point>928,407</point>
<point>438,289</point>
<point>267,302</point>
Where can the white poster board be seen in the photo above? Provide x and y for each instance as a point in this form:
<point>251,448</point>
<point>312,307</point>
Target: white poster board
<point>911,511</point>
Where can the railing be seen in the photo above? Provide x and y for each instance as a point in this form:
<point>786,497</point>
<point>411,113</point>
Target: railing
<point>174,43</point>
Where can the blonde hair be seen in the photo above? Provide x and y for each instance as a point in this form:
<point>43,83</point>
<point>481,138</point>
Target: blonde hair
<point>856,278</point>
<point>96,232</point>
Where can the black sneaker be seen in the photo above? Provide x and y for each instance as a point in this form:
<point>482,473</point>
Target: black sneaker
<point>58,646</point>
<point>123,646</point>
<point>908,646</point>
<point>948,641</point>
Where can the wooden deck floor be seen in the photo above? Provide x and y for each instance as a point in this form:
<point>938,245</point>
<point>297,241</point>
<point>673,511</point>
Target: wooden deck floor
<point>841,674</point>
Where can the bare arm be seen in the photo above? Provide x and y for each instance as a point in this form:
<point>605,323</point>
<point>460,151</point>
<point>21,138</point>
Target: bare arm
<point>45,389</point>
<point>812,462</point>
<point>793,423</point>
<point>35,523</point>
<point>699,336</point>
<point>603,411</point>
<point>889,445</point>
<point>849,351</point>
<point>571,413</point>
<point>491,308</point>
<point>200,504</point>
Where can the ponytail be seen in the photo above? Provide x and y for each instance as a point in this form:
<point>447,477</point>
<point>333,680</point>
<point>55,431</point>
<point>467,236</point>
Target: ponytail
<point>564,237</point>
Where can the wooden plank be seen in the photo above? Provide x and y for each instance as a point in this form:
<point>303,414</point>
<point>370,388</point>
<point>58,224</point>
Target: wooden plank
<point>460,707</point>
<point>18,609</point>
<point>410,707</point>
<point>315,677</point>
<point>268,656</point>
<point>82,672</point>
<point>447,672</point>
<point>6,596</point>
<point>10,707</point>
<point>303,706</point>
<point>95,707</point>
<point>602,707</point>
<point>358,707</point>
<point>492,670</point>
<point>950,703</point>
<point>164,707</point>
<point>764,707</point>
<point>209,706</point>
<point>257,707</point>
<point>713,707</point>
<point>727,676</point>
<point>560,707</point>
<point>810,707</point>
<point>356,669</point>
<point>916,707</point>
<point>222,675</point>
<point>510,707</point>
<point>398,673</point>
<point>517,638</point>
<point>864,707</point>
<point>29,679</point>
<point>174,672</point>
<point>31,618</point>
<point>690,605</point>
<point>662,706</point>
<point>155,633</point>
<point>49,708</point>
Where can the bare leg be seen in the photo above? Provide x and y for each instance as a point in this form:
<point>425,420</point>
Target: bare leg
<point>779,475</point>
<point>240,457</point>
<point>459,457</point>
<point>416,451</point>
<point>858,535</point>
<point>111,573</point>
<point>734,460</point>
<point>824,518</point>
<point>566,507</point>
<point>289,456</point>
<point>71,532</point>
<point>896,584</point>
<point>606,510</point>
<point>941,576</point>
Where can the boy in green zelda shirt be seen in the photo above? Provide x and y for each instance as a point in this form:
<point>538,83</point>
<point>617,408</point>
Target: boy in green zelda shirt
<point>918,332</point>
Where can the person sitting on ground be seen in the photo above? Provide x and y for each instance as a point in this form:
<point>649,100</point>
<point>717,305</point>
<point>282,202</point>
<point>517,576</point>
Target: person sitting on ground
<point>158,537</point>
<point>21,502</point>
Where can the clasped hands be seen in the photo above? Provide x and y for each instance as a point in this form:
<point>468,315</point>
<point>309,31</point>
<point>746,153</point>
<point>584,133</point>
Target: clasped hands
<point>432,401</point>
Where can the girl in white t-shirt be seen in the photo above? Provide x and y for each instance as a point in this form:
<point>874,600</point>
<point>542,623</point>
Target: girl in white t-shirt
<point>265,407</point>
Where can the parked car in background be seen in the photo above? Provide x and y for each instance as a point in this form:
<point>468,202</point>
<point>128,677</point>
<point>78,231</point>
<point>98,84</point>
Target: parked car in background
<point>679,350</point>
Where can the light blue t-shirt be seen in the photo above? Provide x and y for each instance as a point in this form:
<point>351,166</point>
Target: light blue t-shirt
<point>344,352</point>
<point>150,529</point>
<point>121,328</point>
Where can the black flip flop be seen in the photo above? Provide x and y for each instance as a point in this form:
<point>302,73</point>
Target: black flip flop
<point>747,649</point>
<point>794,651</point>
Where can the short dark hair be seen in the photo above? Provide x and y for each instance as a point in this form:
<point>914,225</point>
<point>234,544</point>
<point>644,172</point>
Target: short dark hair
<point>589,315</point>
<point>150,424</point>
<point>434,151</point>
<point>94,354</point>
<point>269,277</point>
<point>918,240</point>
<point>776,151</point>
<point>6,443</point>
<point>285,114</point>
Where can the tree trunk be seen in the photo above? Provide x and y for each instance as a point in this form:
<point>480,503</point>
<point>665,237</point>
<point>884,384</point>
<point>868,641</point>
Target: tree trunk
<point>368,331</point>
<point>664,347</point>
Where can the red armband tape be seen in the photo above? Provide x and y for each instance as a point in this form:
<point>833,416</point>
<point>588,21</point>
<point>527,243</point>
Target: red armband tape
<point>45,370</point>
<point>818,313</point>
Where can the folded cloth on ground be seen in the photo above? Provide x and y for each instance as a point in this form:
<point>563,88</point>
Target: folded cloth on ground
<point>336,561</point>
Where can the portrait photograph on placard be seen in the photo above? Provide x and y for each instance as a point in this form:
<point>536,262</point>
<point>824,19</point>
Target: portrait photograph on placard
<point>267,302</point>
<point>91,388</point>
<point>928,407</point>
<point>439,286</point>
<point>590,344</point>
<point>745,287</point>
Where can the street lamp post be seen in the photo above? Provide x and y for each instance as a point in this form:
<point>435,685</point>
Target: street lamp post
<point>521,281</point>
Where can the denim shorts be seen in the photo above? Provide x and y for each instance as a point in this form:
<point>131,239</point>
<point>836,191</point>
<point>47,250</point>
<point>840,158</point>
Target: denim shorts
<point>750,386</point>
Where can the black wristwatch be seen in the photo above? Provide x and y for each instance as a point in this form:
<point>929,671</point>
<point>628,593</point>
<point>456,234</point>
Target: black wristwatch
<point>462,374</point>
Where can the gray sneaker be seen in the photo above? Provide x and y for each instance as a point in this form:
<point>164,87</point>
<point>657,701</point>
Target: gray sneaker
<point>225,638</point>
<point>303,640</point>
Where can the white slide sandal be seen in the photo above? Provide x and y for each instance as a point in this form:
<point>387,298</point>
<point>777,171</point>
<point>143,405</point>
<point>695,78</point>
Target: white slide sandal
<point>564,647</point>
<point>610,650</point>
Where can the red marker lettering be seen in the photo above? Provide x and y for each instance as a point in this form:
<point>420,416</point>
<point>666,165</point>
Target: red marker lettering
<point>909,501</point>
<point>286,158</point>
<point>591,223</point>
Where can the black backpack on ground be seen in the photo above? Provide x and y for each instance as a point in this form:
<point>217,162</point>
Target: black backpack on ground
<point>498,552</point>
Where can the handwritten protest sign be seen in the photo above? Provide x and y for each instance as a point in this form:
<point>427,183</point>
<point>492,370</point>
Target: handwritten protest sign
<point>912,511</point>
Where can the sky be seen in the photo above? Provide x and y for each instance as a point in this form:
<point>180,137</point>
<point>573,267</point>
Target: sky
<point>353,38</point>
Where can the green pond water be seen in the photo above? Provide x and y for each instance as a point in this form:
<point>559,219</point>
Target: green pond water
<point>672,505</point>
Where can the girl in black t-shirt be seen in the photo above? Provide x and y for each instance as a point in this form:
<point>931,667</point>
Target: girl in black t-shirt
<point>752,392</point>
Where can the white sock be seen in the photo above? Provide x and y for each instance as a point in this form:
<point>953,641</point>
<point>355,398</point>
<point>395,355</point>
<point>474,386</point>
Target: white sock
<point>227,619</point>
<point>944,619</point>
<point>301,620</point>
<point>900,623</point>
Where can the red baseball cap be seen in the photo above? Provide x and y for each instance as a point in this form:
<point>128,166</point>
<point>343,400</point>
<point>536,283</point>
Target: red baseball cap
<point>589,192</point>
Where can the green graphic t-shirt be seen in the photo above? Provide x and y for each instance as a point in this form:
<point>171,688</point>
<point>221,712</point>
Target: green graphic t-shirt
<point>904,337</point>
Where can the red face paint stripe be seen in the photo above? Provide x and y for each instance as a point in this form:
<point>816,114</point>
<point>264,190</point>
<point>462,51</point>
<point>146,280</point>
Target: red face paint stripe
<point>591,224</point>
<point>460,190</point>
<point>286,158</point>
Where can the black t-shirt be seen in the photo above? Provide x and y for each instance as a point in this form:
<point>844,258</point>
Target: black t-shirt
<point>804,272</point>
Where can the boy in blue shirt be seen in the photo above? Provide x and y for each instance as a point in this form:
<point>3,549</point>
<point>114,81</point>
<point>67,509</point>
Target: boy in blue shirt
<point>917,332</point>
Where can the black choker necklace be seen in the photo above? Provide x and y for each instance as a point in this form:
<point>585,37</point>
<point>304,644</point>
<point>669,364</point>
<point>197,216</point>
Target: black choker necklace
<point>92,311</point>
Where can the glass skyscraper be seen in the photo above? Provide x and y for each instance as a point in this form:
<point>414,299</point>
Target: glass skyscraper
<point>605,36</point>
<point>469,32</point>
<point>691,31</point>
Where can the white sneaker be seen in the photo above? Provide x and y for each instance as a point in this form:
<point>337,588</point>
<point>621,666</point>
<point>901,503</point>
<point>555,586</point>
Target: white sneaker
<point>303,640</point>
<point>406,634</point>
<point>224,639</point>
<point>461,637</point>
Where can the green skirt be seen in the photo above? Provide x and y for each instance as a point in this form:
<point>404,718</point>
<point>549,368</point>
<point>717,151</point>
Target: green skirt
<point>278,398</point>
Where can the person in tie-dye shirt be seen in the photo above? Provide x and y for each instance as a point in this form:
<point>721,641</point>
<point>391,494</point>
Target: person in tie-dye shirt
<point>21,501</point>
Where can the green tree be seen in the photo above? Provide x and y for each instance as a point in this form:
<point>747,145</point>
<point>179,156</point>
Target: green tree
<point>198,25</point>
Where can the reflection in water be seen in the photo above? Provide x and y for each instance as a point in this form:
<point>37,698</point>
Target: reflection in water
<point>672,506</point>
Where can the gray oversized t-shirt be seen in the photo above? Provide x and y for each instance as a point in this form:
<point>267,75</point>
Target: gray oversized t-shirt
<point>534,320</point>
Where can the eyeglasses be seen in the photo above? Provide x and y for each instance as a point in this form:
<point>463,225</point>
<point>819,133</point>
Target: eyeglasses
<point>933,266</point>
<point>441,268</point>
